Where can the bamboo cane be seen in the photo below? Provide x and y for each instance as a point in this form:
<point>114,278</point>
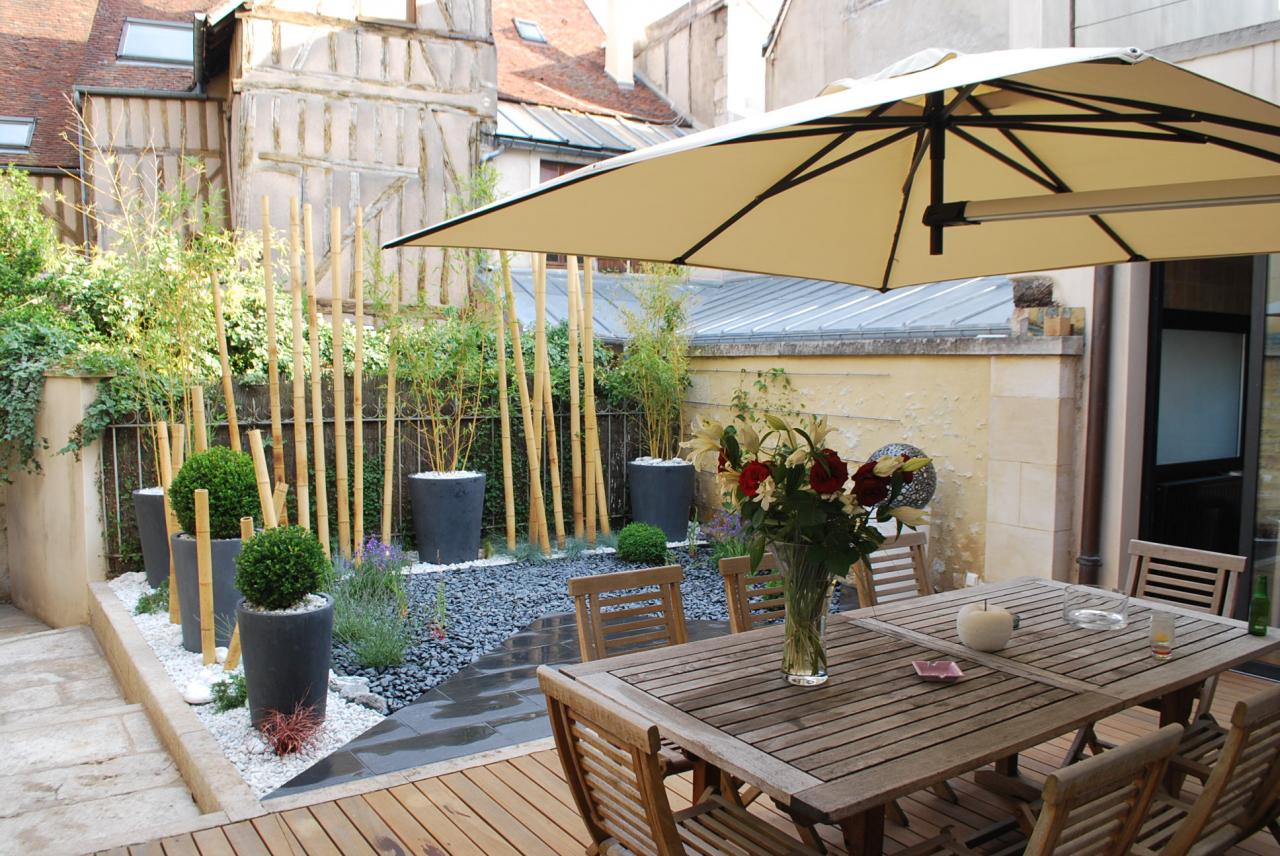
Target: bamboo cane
<point>539,304</point>
<point>602,495</point>
<point>178,454</point>
<point>575,420</point>
<point>389,451</point>
<point>228,393</point>
<point>273,357</point>
<point>357,392</point>
<point>553,456</point>
<point>537,533</point>
<point>508,489</point>
<point>300,475</point>
<point>591,449</point>
<point>204,573</point>
<point>233,647</point>
<point>280,501</point>
<point>339,387</point>
<point>263,477</point>
<point>317,399</point>
<point>199,435</point>
<point>165,457</point>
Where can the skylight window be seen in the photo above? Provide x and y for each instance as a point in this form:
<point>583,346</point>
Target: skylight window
<point>530,31</point>
<point>164,42</point>
<point>15,134</point>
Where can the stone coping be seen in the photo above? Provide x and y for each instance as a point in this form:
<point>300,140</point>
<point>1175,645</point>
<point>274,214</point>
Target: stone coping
<point>890,346</point>
<point>215,783</point>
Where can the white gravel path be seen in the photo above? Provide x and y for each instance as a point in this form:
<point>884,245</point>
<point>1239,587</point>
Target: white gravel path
<point>262,770</point>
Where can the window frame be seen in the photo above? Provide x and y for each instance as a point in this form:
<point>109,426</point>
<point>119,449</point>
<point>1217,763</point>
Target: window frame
<point>410,18</point>
<point>23,148</point>
<point>138,59</point>
<point>541,40</point>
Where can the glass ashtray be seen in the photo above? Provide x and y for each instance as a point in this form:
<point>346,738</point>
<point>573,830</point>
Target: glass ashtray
<point>1095,608</point>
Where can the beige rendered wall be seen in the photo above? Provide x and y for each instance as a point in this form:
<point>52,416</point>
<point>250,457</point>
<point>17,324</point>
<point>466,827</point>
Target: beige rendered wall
<point>997,415</point>
<point>55,539</point>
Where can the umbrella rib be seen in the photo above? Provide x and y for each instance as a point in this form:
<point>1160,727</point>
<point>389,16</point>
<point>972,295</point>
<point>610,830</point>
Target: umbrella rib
<point>1004,158</point>
<point>1062,185</point>
<point>842,161</point>
<point>916,160</point>
<point>781,183</point>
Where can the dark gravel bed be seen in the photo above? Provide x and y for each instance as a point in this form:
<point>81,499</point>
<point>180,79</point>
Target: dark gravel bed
<point>486,605</point>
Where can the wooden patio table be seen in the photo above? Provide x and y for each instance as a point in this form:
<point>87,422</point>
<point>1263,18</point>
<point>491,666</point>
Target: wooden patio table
<point>874,732</point>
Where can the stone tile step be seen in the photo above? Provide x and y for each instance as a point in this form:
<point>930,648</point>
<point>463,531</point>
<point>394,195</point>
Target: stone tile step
<point>73,715</point>
<point>37,673</point>
<point>98,738</point>
<point>56,831</point>
<point>66,642</point>
<point>128,774</point>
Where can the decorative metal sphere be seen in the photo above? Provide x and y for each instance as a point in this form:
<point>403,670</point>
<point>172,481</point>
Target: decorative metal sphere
<point>918,493</point>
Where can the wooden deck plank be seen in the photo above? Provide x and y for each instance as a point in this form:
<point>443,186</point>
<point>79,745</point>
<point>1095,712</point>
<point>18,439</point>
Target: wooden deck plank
<point>404,827</point>
<point>151,848</point>
<point>537,820</point>
<point>245,839</point>
<point>487,839</point>
<point>341,830</point>
<point>309,833</point>
<point>379,835</point>
<point>522,838</point>
<point>212,842</point>
<point>276,835</point>
<point>433,819</point>
<point>179,845</point>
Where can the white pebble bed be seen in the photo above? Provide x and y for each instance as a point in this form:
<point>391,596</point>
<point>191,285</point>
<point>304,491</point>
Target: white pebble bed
<point>261,769</point>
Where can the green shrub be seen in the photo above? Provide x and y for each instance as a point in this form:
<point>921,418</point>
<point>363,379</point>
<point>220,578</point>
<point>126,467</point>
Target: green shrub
<point>373,628</point>
<point>156,600</point>
<point>640,542</point>
<point>279,567</point>
<point>233,491</point>
<point>230,693</point>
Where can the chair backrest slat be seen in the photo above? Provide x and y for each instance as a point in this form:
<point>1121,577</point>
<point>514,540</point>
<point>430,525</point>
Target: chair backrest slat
<point>753,599</point>
<point>628,611</point>
<point>1243,789</point>
<point>1096,807</point>
<point>1192,579</point>
<point>896,572</point>
<point>610,758</point>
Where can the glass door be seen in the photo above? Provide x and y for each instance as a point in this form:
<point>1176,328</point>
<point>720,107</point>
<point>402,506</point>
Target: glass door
<point>1266,524</point>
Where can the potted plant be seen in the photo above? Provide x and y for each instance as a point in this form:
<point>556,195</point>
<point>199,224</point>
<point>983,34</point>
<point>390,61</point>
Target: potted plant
<point>797,498</point>
<point>655,372</point>
<point>441,369</point>
<point>148,510</point>
<point>286,623</point>
<point>233,493</point>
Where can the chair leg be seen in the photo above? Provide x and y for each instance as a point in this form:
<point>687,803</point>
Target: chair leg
<point>946,792</point>
<point>894,814</point>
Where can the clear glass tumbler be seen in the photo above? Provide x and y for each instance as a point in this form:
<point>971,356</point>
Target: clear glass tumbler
<point>1095,608</point>
<point>1163,635</point>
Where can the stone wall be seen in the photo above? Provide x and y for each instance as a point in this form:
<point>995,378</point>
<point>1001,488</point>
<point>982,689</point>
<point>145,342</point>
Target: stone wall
<point>998,415</point>
<point>4,544</point>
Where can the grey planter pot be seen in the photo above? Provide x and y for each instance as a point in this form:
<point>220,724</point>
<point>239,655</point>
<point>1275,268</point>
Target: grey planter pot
<point>148,508</point>
<point>286,659</point>
<point>661,495</point>
<point>225,594</point>
<point>447,514</point>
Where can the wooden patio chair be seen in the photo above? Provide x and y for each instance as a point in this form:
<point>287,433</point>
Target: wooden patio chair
<point>1094,808</point>
<point>896,572</point>
<point>630,611</point>
<point>1198,580</point>
<point>610,759</point>
<point>753,599</point>
<point>1240,772</point>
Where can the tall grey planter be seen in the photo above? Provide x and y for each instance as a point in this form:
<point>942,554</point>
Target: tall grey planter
<point>148,509</point>
<point>447,514</point>
<point>225,594</point>
<point>661,495</point>
<point>286,659</point>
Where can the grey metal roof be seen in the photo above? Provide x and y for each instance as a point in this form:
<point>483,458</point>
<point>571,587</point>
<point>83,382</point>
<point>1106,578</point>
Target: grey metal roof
<point>534,124</point>
<point>751,308</point>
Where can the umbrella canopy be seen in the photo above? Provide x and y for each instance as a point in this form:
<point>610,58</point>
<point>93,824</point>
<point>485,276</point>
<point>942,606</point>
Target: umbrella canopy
<point>944,166</point>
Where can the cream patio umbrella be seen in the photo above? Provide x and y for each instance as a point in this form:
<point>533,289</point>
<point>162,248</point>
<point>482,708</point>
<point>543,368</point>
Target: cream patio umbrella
<point>1048,158</point>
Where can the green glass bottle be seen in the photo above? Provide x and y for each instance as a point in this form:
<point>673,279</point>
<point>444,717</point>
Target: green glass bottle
<point>1260,605</point>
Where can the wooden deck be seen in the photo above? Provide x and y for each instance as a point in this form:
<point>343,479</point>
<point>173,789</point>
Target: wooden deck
<point>522,806</point>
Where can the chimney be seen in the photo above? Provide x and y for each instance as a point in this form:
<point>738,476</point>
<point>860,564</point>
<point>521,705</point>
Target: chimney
<point>619,45</point>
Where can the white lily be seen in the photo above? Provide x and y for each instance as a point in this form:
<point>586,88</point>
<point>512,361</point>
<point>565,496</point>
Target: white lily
<point>909,516</point>
<point>888,465</point>
<point>818,431</point>
<point>797,457</point>
<point>765,494</point>
<point>916,463</point>
<point>748,439</point>
<point>704,445</point>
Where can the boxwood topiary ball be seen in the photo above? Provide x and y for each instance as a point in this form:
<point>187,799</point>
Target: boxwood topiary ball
<point>279,567</point>
<point>640,542</point>
<point>919,492</point>
<point>233,491</point>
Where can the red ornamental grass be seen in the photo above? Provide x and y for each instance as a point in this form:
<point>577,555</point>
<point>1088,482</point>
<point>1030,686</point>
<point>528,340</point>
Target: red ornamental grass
<point>290,732</point>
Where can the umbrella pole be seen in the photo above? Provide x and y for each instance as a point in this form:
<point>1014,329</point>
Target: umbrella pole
<point>575,419</point>
<point>300,475</point>
<point>339,386</point>
<point>357,392</point>
<point>317,396</point>
<point>273,356</point>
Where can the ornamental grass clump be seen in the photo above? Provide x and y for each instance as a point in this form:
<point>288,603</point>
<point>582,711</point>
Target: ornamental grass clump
<point>370,605</point>
<point>233,491</point>
<point>640,542</point>
<point>279,567</point>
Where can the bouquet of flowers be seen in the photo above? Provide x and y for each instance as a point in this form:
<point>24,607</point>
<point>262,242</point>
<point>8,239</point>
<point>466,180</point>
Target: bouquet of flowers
<point>798,498</point>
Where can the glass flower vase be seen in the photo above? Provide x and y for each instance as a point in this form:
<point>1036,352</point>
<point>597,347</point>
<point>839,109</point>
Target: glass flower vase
<point>807,588</point>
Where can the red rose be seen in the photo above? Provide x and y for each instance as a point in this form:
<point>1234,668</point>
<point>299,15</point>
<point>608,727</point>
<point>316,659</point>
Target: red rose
<point>869,488</point>
<point>752,475</point>
<point>829,473</point>
<point>722,462</point>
